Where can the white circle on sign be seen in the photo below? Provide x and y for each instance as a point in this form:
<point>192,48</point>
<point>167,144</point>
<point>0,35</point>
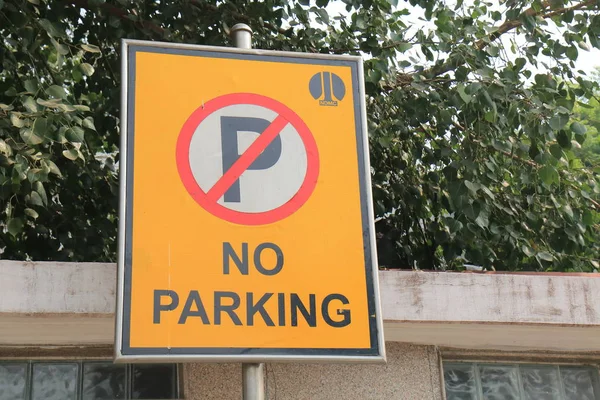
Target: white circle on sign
<point>259,189</point>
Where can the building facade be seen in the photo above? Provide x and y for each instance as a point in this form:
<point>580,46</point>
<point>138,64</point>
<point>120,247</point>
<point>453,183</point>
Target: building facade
<point>448,336</point>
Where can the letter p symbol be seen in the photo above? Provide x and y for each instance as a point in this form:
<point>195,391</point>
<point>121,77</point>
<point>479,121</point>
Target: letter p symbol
<point>230,127</point>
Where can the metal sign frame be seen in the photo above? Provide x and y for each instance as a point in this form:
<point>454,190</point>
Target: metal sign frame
<point>123,351</point>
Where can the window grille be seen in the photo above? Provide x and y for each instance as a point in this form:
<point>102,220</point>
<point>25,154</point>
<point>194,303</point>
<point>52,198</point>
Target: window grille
<point>474,381</point>
<point>93,380</point>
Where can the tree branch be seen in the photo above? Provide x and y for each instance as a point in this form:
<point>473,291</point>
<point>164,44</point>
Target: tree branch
<point>150,26</point>
<point>531,163</point>
<point>507,26</point>
<point>121,14</point>
<point>238,16</point>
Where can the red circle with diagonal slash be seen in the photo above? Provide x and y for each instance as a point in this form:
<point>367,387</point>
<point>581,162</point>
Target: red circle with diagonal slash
<point>207,200</point>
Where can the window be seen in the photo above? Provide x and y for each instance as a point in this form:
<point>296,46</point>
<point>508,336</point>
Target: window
<point>71,380</point>
<point>472,381</point>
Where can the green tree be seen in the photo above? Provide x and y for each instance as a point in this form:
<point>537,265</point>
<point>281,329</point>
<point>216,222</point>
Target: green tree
<point>588,113</point>
<point>472,152</point>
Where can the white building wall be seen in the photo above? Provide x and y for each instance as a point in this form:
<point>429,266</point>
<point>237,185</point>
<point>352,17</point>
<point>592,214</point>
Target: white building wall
<point>73,303</point>
<point>67,309</point>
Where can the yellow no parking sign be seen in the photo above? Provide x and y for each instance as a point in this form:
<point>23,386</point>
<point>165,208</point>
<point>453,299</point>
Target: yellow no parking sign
<point>246,214</point>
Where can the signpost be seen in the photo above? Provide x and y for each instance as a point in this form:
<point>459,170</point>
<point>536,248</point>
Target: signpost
<point>246,214</point>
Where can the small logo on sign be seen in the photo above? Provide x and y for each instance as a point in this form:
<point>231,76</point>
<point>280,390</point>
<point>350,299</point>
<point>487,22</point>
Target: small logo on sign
<point>328,88</point>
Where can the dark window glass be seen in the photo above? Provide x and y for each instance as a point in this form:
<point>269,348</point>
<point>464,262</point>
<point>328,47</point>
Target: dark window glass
<point>499,383</point>
<point>460,382</point>
<point>154,381</point>
<point>104,381</point>
<point>540,383</point>
<point>13,379</point>
<point>474,381</point>
<point>54,382</point>
<point>578,383</point>
<point>92,380</point>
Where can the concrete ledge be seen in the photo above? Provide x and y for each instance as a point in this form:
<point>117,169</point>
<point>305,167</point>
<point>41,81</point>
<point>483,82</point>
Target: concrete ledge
<point>54,287</point>
<point>56,329</point>
<point>73,304</point>
<point>491,298</point>
<point>506,337</point>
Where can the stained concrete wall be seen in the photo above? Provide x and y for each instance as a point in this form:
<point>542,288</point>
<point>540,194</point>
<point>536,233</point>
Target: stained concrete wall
<point>411,373</point>
<point>48,303</point>
<point>57,288</point>
<point>72,304</point>
<point>542,298</point>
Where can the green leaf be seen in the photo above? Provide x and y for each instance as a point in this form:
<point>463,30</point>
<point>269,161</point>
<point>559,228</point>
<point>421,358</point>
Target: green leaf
<point>52,29</point>
<point>57,92</point>
<point>453,225</point>
<point>572,53</point>
<point>556,151</point>
<point>31,86</point>
<point>77,75</point>
<point>502,146</point>
<point>463,95</point>
<point>87,69</point>
<point>36,199</point>
<point>15,226</point>
<point>488,192</point>
<point>30,104</point>
<point>490,116</point>
<point>549,175</point>
<point>558,121</point>
<point>482,219</point>
<point>544,255</point>
<point>520,63</point>
<point>88,122</point>
<point>360,20</point>
<point>527,250</point>
<point>16,121</point>
<point>473,187</point>
<point>60,48</point>
<point>66,107</point>
<point>472,211</point>
<point>564,139</point>
<point>30,137</point>
<point>75,134</point>
<point>568,211</point>
<point>578,128</point>
<point>52,103</point>
<point>493,51</point>
<point>36,174</point>
<point>39,188</point>
<point>31,213</point>
<point>71,154</point>
<point>40,127</point>
<point>588,218</point>
<point>80,107</point>
<point>52,167</point>
<point>583,45</point>
<point>323,15</point>
<point>427,53</point>
<point>91,48</point>
<point>5,148</point>
<point>403,46</point>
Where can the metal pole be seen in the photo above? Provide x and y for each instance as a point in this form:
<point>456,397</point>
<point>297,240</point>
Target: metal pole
<point>253,381</point>
<point>242,36</point>
<point>253,375</point>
